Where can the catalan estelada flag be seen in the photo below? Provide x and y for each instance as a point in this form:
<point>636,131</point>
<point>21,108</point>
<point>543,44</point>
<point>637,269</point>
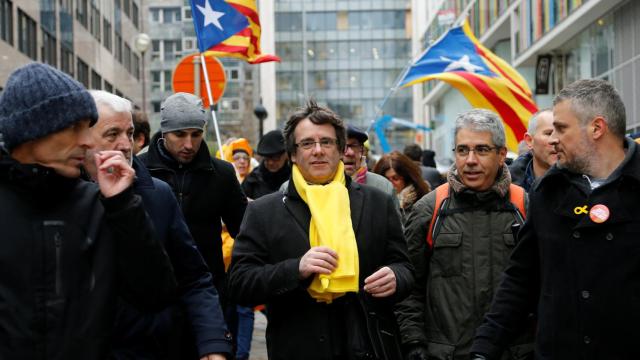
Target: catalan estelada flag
<point>229,28</point>
<point>485,80</point>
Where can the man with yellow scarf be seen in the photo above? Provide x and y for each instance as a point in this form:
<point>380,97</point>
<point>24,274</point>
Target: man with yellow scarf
<point>327,255</point>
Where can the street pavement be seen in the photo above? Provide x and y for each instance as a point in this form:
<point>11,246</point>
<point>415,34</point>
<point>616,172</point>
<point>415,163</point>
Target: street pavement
<point>259,343</point>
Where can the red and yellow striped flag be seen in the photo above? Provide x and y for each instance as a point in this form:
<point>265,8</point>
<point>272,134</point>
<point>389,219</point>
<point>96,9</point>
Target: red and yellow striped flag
<point>245,44</point>
<point>485,80</point>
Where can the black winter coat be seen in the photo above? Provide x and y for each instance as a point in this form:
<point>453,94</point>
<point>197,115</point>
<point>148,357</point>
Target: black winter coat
<point>261,181</point>
<point>582,277</point>
<point>264,269</point>
<point>207,190</point>
<point>192,327</point>
<point>66,254</point>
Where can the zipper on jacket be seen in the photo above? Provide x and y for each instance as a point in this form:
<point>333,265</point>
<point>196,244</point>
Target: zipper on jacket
<point>57,240</point>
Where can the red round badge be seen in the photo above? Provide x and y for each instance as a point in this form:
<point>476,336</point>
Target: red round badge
<point>599,213</point>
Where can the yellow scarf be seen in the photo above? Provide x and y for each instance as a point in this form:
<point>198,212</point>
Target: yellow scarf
<point>331,227</point>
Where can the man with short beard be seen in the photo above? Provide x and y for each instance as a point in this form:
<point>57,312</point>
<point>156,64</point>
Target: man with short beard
<point>541,154</point>
<point>576,264</point>
<point>206,188</point>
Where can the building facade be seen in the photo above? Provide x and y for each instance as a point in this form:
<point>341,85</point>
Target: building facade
<point>345,54</point>
<point>170,26</point>
<point>578,38</point>
<point>91,40</point>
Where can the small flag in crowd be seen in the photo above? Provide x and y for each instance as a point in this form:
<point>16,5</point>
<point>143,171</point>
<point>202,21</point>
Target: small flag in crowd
<point>229,29</point>
<point>484,79</point>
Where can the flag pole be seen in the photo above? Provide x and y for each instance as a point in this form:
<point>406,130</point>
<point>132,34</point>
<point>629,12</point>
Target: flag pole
<point>211,106</point>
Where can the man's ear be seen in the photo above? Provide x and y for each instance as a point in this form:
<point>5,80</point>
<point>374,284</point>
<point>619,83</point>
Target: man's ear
<point>529,140</point>
<point>598,127</point>
<point>502,155</point>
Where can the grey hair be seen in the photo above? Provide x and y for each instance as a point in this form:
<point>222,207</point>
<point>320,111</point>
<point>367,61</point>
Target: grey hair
<point>113,102</point>
<point>533,122</point>
<point>594,97</point>
<point>482,120</point>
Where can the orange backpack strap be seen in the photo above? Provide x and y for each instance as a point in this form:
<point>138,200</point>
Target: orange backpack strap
<point>442,192</point>
<point>516,196</point>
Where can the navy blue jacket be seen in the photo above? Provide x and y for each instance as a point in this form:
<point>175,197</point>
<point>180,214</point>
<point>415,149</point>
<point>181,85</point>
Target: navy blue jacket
<point>160,334</point>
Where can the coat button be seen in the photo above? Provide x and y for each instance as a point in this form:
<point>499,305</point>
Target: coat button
<point>322,338</point>
<point>576,235</point>
<point>587,340</point>
<point>609,236</point>
<point>585,294</point>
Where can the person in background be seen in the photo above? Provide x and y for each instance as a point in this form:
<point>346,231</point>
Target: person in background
<point>141,131</point>
<point>239,153</point>
<point>430,174</point>
<point>273,170</point>
<point>192,327</point>
<point>355,165</point>
<point>69,247</point>
<point>206,188</point>
<point>405,176</point>
<point>541,154</point>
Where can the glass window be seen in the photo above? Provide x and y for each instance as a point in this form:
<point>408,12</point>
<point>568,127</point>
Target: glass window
<point>107,42</point>
<point>126,6</point>
<point>27,43</point>
<point>107,86</point>
<point>95,22</point>
<point>127,57</point>
<point>155,15</point>
<point>66,60</point>
<point>317,21</point>
<point>6,21</point>
<point>156,106</point>
<point>288,21</point>
<point>134,14</point>
<point>156,80</point>
<point>167,80</point>
<point>49,49</point>
<point>96,80</point>
<point>118,48</point>
<point>83,73</point>
<point>82,12</point>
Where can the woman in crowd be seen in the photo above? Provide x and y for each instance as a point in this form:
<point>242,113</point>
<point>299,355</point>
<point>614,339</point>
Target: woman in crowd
<point>406,178</point>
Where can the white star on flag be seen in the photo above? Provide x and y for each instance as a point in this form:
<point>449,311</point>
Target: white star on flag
<point>463,63</point>
<point>210,16</point>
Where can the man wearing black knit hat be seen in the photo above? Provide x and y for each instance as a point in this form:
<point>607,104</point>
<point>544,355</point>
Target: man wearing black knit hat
<point>69,247</point>
<point>273,170</point>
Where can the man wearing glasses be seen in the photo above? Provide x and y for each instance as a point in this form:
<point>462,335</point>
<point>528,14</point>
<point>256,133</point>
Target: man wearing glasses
<point>327,256</point>
<point>355,164</point>
<point>458,267</point>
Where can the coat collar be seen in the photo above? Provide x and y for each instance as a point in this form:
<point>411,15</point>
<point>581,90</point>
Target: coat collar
<point>143,177</point>
<point>157,157</point>
<point>575,191</point>
<point>300,211</point>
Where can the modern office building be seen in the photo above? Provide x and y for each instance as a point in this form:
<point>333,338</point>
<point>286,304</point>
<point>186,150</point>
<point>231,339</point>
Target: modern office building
<point>170,26</point>
<point>345,54</point>
<point>92,40</point>
<point>577,38</point>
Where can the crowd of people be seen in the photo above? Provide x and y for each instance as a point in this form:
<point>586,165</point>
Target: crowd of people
<point>122,244</point>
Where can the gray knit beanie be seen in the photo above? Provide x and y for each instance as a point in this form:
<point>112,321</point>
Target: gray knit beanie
<point>182,111</point>
<point>39,100</point>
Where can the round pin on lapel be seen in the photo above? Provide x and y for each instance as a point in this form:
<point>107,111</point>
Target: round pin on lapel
<point>599,213</point>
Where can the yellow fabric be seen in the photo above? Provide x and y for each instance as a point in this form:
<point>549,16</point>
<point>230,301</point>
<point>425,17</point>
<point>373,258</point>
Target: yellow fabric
<point>331,227</point>
<point>227,247</point>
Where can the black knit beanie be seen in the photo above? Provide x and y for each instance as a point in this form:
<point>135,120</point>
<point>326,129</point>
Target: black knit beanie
<point>39,100</point>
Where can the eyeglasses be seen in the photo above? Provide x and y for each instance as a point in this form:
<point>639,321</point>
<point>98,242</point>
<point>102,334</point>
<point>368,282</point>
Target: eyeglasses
<point>240,157</point>
<point>325,143</point>
<point>480,150</point>
<point>354,147</point>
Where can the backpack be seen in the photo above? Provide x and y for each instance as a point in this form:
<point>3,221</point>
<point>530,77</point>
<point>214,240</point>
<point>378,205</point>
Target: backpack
<point>516,197</point>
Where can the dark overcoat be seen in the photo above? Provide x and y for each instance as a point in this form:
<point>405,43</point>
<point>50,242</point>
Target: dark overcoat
<point>265,269</point>
<point>581,277</point>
